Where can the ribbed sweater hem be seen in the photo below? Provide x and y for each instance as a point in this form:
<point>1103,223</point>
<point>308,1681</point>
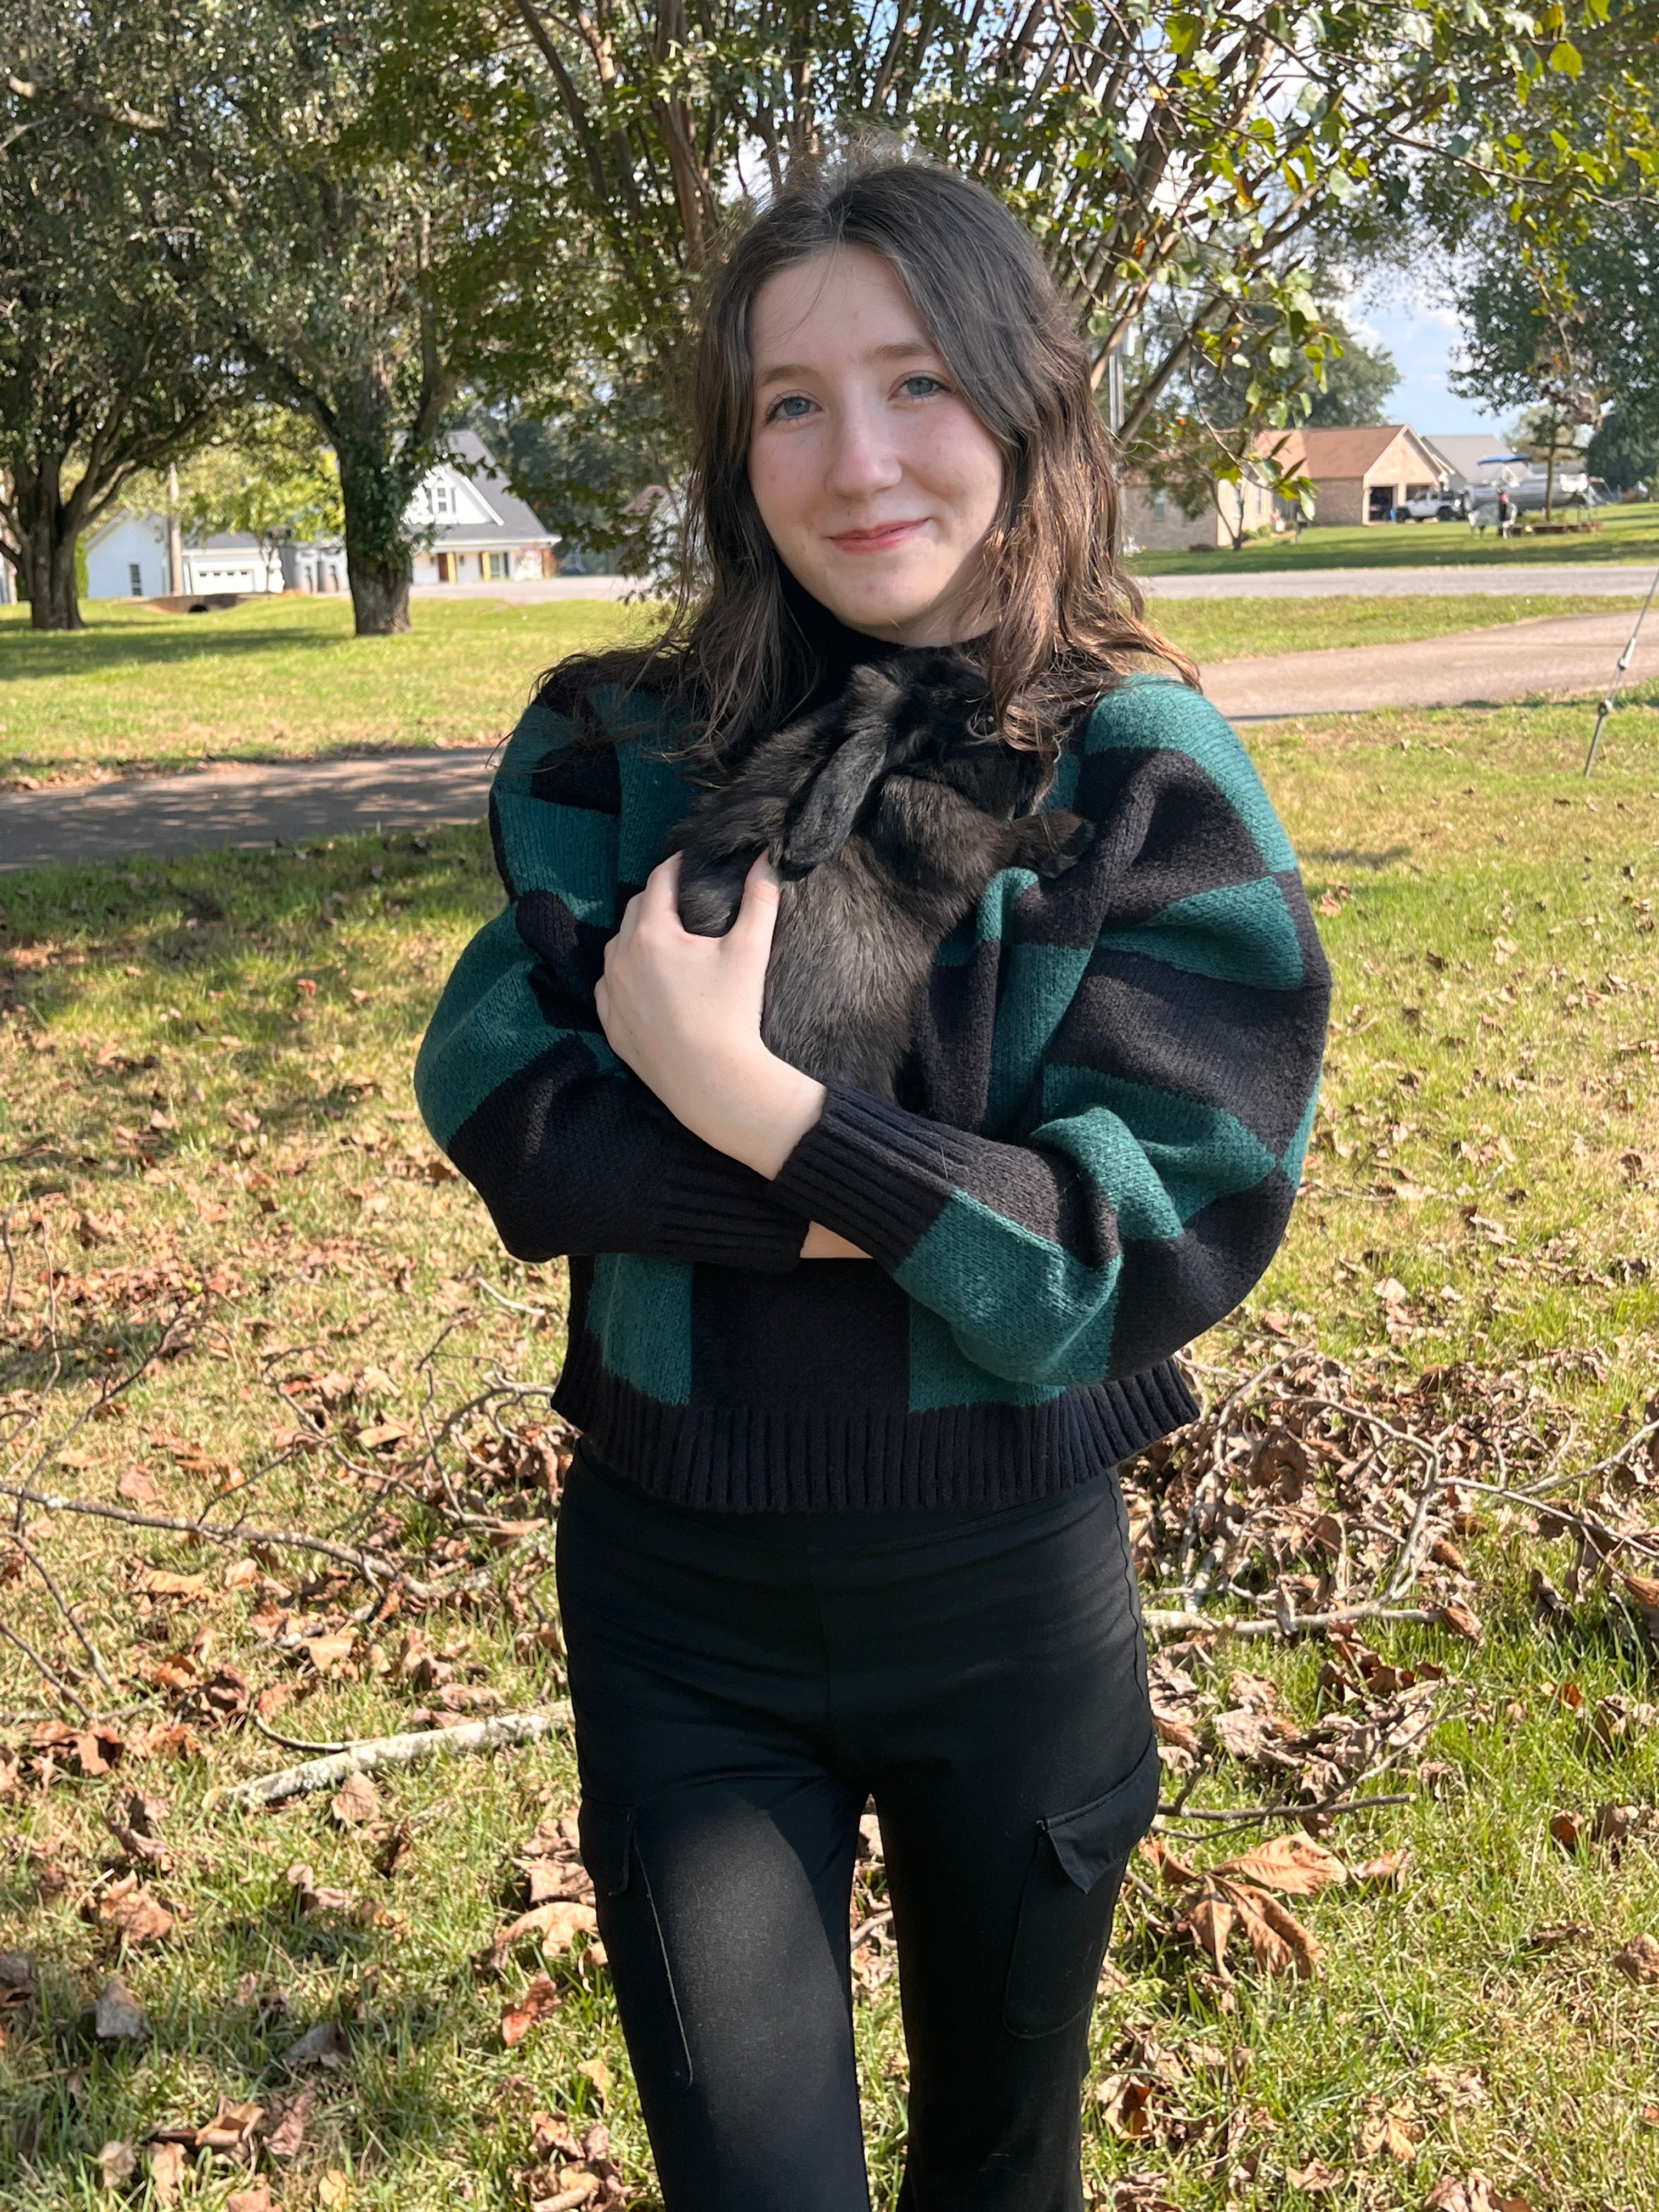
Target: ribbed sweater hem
<point>750,1458</point>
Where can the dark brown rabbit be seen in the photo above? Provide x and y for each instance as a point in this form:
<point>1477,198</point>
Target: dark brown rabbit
<point>886,813</point>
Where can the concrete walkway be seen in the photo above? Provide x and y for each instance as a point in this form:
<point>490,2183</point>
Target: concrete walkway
<point>243,808</point>
<point>1561,654</point>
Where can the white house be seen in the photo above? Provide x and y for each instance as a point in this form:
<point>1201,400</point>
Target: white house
<point>127,559</point>
<point>471,530</point>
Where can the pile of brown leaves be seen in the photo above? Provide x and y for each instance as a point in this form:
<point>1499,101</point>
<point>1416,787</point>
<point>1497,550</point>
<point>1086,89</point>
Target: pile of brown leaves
<point>1310,1494</point>
<point>1374,1718</point>
<point>569,2171</point>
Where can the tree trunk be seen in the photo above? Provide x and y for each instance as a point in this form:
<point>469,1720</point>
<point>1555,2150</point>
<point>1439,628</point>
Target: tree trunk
<point>375,490</point>
<point>379,592</point>
<point>47,531</point>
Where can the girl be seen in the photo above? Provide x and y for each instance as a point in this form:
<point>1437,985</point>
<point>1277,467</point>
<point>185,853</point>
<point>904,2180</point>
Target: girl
<point>855,1373</point>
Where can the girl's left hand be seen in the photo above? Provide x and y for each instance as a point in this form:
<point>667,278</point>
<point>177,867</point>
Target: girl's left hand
<point>684,1013</point>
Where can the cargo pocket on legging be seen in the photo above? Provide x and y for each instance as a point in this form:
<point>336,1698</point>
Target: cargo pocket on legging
<point>640,1971</point>
<point>1065,1906</point>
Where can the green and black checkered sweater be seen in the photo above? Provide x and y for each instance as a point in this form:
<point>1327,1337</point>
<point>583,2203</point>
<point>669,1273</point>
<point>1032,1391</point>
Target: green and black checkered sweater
<point>1093,1157</point>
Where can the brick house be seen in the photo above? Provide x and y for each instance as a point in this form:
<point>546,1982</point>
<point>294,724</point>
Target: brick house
<point>1361,474</point>
<point>1364,473</point>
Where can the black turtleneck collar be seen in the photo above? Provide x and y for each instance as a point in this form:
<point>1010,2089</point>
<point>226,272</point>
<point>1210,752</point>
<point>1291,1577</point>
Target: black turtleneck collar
<point>828,649</point>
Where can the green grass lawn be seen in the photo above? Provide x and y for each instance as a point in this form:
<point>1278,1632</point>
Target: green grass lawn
<point>286,678</point>
<point>1627,534</point>
<point>273,680</point>
<point>205,1109</point>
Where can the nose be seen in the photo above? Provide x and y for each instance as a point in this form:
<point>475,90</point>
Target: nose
<point>863,460</point>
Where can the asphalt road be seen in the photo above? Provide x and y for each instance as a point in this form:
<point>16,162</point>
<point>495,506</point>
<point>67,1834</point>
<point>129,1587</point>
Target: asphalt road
<point>293,801</point>
<point>1506,579</point>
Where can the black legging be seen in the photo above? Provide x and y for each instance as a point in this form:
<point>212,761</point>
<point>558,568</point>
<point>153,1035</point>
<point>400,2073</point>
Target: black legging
<point>742,1683</point>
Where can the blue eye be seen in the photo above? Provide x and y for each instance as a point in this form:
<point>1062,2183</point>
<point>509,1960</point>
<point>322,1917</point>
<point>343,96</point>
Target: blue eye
<point>920,387</point>
<point>794,407</point>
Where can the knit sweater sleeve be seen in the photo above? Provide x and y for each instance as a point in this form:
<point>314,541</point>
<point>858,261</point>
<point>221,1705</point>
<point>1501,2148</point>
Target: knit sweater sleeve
<point>569,1151</point>
<point>1152,1077</point>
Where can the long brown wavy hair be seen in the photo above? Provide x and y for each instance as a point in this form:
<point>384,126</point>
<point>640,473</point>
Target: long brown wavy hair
<point>1067,623</point>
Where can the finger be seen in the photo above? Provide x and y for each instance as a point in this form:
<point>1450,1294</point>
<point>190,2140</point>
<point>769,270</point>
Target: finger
<point>661,896</point>
<point>629,922</point>
<point>757,916</point>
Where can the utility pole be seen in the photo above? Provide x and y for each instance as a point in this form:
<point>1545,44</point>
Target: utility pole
<point>175,537</point>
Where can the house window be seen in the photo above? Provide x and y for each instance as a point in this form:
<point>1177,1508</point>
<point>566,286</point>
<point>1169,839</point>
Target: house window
<point>135,580</point>
<point>440,500</point>
<point>498,564</point>
<point>1160,505</point>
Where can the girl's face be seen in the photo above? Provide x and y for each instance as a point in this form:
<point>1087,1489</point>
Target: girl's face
<point>876,481</point>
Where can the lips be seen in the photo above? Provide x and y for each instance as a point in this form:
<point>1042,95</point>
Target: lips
<point>878,540</point>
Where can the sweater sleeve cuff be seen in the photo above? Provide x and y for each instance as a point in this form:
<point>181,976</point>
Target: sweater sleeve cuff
<point>873,1173</point>
<point>720,1214</point>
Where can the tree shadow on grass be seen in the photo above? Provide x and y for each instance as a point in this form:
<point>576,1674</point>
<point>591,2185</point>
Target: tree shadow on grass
<point>50,656</point>
<point>1344,856</point>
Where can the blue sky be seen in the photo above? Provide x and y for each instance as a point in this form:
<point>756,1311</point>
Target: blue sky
<point>1422,335</point>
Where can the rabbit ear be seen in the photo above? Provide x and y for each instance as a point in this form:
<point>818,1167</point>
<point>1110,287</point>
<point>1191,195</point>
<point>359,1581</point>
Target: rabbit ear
<point>833,803</point>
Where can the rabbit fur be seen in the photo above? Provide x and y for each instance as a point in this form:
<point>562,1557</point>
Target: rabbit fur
<point>886,813</point>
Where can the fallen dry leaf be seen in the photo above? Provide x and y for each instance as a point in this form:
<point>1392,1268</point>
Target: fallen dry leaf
<point>257,2199</point>
<point>332,2189</point>
<point>134,1912</point>
<point>321,2045</point>
<point>1461,1621</point>
<point>1394,2130</point>
<point>557,1923</point>
<point>1315,2178</point>
<point>167,2167</point>
<point>1639,1961</point>
<point>599,2074</point>
<point>1474,2193</point>
<point>284,2137</point>
<point>315,1897</point>
<point>358,1801</point>
<point>1293,1864</point>
<point>231,2126</point>
<point>539,1999</point>
<point>119,2015</point>
<point>120,2162</point>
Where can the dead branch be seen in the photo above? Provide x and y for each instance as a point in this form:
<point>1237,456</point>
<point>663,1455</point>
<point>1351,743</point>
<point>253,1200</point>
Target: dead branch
<point>163,1344</point>
<point>1284,1621</point>
<point>372,1568</point>
<point>65,1608</point>
<point>378,1752</point>
<point>1240,1816</point>
<point>298,1743</point>
<point>45,1672</point>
